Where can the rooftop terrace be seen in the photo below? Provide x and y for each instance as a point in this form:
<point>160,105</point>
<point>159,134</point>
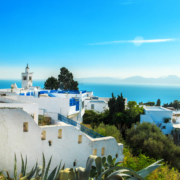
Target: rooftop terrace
<point>156,108</point>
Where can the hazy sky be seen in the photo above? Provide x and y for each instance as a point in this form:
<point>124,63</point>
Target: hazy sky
<point>92,38</point>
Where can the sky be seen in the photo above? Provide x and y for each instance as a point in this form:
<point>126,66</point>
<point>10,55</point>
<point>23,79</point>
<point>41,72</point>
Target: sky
<point>91,38</point>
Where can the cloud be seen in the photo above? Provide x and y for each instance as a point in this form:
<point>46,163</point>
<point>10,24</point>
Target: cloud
<point>137,41</point>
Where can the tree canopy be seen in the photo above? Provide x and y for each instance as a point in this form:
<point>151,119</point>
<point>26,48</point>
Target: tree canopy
<point>147,138</point>
<point>158,102</point>
<point>51,83</point>
<point>149,103</point>
<point>130,115</point>
<point>66,81</point>
<point>175,104</point>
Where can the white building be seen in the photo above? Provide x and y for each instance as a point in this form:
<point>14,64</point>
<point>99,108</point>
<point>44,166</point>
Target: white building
<point>97,103</point>
<point>65,139</point>
<point>160,116</point>
<point>26,78</point>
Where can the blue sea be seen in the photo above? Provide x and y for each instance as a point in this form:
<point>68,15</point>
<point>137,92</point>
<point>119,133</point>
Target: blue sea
<point>138,93</point>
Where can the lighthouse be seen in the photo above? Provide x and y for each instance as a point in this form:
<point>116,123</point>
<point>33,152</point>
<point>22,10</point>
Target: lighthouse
<point>27,78</point>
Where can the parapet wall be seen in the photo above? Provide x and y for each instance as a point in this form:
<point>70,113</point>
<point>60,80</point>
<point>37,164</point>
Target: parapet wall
<point>21,135</point>
<point>48,104</point>
<point>30,108</point>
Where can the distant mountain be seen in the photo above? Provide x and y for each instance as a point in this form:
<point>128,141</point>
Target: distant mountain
<point>98,80</point>
<point>168,80</point>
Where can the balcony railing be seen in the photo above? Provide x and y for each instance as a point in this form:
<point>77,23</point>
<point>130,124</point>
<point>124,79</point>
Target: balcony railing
<point>66,120</point>
<point>84,129</point>
<point>90,132</point>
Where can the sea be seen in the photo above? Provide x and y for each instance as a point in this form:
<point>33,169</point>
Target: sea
<point>138,93</point>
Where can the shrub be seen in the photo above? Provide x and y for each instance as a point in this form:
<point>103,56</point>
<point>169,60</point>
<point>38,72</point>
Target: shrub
<point>136,162</point>
<point>140,162</point>
<point>90,116</point>
<point>164,173</point>
<point>108,130</point>
<point>95,118</point>
<point>166,120</point>
<point>43,120</point>
<point>2,177</point>
<point>148,139</point>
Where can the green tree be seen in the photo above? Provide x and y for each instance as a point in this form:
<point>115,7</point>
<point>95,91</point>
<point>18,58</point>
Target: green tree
<point>170,104</point>
<point>95,118</point>
<point>176,104</point>
<point>51,83</point>
<point>150,103</point>
<point>109,130</point>
<point>120,104</point>
<point>112,106</point>
<point>141,103</point>
<point>158,103</point>
<point>66,81</point>
<point>90,116</point>
<point>148,139</point>
<point>166,105</point>
<point>133,110</point>
<point>122,121</point>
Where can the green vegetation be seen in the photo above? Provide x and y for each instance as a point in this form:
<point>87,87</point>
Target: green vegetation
<point>148,139</point>
<point>51,83</point>
<point>141,161</point>
<point>106,168</point>
<point>39,173</point>
<point>117,114</point>
<point>109,130</point>
<point>116,105</point>
<point>43,121</point>
<point>149,103</point>
<point>123,117</point>
<point>158,102</point>
<point>166,120</point>
<point>64,81</point>
<point>95,118</point>
<point>175,104</point>
<point>144,143</point>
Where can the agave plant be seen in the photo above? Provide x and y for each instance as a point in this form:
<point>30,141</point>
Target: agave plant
<point>35,171</point>
<point>119,174</point>
<point>103,164</point>
<point>103,170</point>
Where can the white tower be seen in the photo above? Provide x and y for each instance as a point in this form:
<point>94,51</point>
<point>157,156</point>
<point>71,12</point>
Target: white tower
<point>27,78</point>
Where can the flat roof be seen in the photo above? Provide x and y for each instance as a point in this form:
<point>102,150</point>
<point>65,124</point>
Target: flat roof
<point>97,101</point>
<point>155,108</point>
<point>176,126</point>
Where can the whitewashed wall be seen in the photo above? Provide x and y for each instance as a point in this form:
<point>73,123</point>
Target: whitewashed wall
<point>89,93</point>
<point>30,108</point>
<point>158,115</point>
<point>49,104</point>
<point>52,104</point>
<point>100,107</point>
<point>67,149</point>
<point>5,90</point>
